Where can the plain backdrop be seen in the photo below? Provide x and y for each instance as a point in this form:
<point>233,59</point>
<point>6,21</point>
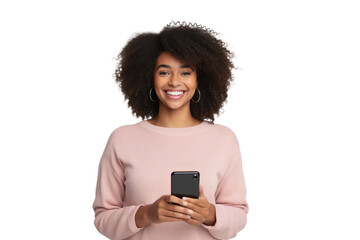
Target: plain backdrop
<point>294,106</point>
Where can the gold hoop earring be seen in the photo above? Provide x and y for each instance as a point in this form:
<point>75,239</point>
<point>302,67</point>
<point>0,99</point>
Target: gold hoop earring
<point>199,96</point>
<point>150,96</point>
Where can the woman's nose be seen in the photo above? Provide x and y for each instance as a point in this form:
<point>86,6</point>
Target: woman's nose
<point>174,81</point>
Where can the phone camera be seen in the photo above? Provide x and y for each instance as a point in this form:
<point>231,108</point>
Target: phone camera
<point>195,176</point>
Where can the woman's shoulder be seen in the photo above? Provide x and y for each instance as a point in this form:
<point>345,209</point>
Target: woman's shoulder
<point>223,131</point>
<point>222,128</point>
<point>124,130</point>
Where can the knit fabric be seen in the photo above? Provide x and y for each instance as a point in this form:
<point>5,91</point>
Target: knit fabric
<point>136,167</point>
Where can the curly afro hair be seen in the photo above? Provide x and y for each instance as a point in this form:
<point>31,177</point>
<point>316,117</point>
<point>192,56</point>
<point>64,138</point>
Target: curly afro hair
<point>190,43</point>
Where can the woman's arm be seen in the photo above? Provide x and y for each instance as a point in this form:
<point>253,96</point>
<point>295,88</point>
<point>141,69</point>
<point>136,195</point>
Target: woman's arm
<point>230,199</point>
<point>111,218</point>
<point>118,222</point>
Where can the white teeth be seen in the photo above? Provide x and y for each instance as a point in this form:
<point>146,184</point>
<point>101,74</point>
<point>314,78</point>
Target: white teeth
<point>174,93</point>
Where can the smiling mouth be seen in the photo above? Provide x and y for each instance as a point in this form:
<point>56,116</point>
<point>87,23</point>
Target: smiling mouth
<point>174,94</point>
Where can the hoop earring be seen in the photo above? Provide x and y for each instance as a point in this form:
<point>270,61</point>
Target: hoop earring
<point>151,97</point>
<point>199,96</point>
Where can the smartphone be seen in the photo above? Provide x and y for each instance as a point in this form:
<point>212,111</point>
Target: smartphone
<point>185,184</point>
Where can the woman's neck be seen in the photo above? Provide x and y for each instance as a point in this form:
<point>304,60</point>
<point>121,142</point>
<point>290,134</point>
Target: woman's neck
<point>174,119</point>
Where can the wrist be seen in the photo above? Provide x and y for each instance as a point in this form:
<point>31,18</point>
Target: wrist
<point>146,214</point>
<point>212,218</point>
<point>142,217</point>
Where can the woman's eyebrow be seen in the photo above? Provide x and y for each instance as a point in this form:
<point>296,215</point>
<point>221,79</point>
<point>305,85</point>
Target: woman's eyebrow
<point>182,66</point>
<point>163,65</point>
<point>187,66</point>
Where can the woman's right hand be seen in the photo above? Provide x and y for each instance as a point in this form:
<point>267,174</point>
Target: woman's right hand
<point>162,210</point>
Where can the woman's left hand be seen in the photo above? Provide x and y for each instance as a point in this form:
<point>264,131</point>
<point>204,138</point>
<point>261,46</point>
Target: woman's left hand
<point>202,210</point>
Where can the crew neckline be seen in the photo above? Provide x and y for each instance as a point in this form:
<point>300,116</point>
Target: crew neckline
<point>174,131</point>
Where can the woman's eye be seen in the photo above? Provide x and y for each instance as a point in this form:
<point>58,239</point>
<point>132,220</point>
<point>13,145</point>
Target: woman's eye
<point>163,73</point>
<point>186,73</point>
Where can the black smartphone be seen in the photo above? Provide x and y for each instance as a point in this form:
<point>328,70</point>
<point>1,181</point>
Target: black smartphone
<point>185,184</point>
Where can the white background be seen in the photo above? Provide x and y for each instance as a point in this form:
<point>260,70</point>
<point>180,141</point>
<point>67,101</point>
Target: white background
<point>294,107</point>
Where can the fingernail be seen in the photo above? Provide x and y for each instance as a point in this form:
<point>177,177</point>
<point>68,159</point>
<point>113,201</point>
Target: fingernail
<point>185,198</point>
<point>190,211</point>
<point>185,203</point>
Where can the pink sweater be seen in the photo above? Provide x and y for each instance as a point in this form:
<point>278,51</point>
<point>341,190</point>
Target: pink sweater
<point>135,170</point>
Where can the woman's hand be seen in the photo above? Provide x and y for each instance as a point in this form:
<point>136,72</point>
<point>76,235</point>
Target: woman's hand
<point>162,211</point>
<point>191,210</point>
<point>203,211</point>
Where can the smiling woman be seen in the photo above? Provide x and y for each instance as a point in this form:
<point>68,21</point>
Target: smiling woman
<point>178,79</point>
<point>175,84</point>
<point>189,44</point>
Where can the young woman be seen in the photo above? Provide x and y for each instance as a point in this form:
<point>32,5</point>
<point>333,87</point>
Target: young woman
<point>176,81</point>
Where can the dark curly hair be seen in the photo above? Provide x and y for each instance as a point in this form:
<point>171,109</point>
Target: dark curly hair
<point>190,43</point>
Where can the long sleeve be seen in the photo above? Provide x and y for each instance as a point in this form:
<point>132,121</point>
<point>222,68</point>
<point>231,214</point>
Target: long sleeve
<point>135,169</point>
<point>111,218</point>
<point>230,199</point>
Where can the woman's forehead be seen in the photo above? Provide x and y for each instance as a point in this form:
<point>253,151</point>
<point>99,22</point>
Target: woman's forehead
<point>167,59</point>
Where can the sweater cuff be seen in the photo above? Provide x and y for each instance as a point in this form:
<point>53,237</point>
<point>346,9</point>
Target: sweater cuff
<point>131,220</point>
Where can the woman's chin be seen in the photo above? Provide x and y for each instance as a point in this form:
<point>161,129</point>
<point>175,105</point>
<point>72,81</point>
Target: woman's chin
<point>176,105</point>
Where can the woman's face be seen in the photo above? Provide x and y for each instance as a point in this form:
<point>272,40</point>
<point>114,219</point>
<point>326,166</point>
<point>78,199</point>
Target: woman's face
<point>175,82</point>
